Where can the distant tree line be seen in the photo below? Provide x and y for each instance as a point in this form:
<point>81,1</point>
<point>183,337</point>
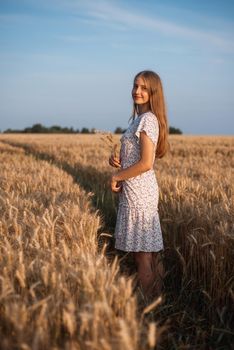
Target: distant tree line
<point>56,129</point>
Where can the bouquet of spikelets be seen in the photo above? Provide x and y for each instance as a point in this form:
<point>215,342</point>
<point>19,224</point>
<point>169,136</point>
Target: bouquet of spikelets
<point>107,138</point>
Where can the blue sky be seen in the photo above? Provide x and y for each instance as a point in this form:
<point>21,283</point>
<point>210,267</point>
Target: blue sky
<point>72,62</point>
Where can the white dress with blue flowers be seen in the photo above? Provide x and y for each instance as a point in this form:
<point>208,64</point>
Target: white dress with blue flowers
<point>138,225</point>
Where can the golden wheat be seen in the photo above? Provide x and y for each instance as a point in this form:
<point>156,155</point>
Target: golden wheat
<point>59,257</point>
<point>56,289</point>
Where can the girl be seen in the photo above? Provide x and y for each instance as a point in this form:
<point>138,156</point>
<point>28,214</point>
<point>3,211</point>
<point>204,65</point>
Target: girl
<point>138,227</point>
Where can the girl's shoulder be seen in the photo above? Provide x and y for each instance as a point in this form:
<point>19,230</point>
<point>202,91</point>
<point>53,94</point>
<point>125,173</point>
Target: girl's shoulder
<point>148,114</point>
<point>148,117</point>
<point>148,122</point>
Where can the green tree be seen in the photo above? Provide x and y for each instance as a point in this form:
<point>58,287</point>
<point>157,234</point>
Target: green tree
<point>119,130</point>
<point>84,131</point>
<point>37,128</point>
<point>173,130</point>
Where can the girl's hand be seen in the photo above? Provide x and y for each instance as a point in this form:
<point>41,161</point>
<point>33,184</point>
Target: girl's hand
<point>115,185</point>
<point>114,161</point>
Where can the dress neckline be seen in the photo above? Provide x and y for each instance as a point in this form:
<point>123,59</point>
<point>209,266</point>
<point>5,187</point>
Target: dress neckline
<point>141,115</point>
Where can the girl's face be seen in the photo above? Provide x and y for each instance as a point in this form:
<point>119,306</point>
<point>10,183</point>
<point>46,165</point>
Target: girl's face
<point>140,93</point>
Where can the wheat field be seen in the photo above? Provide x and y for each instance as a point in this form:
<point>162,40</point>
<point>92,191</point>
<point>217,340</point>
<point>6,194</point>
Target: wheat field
<point>62,283</point>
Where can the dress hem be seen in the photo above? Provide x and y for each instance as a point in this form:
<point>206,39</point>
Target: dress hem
<point>141,250</point>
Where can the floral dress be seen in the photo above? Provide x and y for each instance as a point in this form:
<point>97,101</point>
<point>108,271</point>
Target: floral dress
<point>138,225</point>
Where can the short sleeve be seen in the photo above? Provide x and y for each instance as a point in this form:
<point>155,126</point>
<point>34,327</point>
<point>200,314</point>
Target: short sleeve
<point>149,124</point>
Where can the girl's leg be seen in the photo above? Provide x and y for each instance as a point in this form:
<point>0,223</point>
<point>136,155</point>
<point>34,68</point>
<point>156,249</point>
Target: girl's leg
<point>145,271</point>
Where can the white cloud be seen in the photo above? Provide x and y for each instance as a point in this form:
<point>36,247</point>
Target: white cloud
<point>112,14</point>
<point>115,16</point>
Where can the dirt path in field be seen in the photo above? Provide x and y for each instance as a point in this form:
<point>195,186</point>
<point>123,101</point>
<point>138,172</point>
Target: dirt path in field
<point>91,180</point>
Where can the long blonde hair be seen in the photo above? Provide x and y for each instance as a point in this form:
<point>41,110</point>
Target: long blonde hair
<point>157,107</point>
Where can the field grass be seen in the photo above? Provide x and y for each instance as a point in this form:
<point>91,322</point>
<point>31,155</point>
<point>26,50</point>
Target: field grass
<point>64,286</point>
